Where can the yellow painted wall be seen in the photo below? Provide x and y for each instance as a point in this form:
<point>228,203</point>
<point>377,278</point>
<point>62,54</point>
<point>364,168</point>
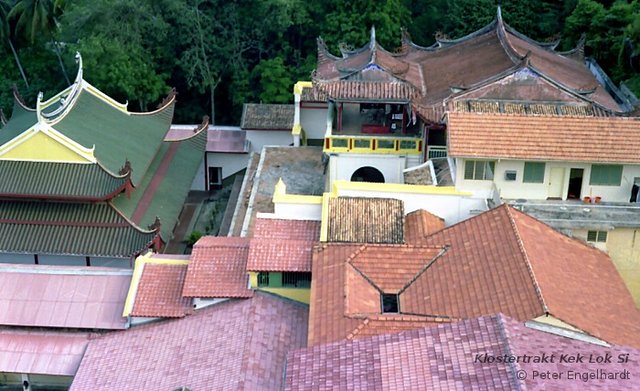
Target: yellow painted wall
<point>623,247</point>
<point>41,146</point>
<point>302,295</point>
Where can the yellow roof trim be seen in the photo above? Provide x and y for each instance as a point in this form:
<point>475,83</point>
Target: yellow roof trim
<point>301,85</point>
<point>104,97</point>
<point>280,196</point>
<point>77,153</point>
<point>296,130</point>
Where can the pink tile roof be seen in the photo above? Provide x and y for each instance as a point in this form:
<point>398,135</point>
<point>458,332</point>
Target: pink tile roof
<point>237,344</point>
<point>159,292</point>
<point>532,270</point>
<point>218,268</point>
<point>63,296</point>
<point>282,245</point>
<point>444,358</point>
<point>44,353</point>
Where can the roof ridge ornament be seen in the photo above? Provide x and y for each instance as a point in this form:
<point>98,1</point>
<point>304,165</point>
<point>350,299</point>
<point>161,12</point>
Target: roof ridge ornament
<point>18,96</point>
<point>373,45</point>
<point>156,225</point>
<point>203,125</point>
<point>126,169</point>
<point>171,95</point>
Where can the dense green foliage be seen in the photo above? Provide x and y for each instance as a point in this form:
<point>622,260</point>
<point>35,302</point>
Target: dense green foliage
<point>221,53</point>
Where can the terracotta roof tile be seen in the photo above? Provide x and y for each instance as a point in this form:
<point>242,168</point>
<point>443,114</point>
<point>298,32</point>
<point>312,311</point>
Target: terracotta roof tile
<point>579,139</point>
<point>365,220</point>
<point>287,229</point>
<point>218,268</point>
<point>419,224</point>
<point>237,344</point>
<point>282,245</point>
<point>498,261</point>
<point>159,292</point>
<point>444,358</point>
<point>564,267</point>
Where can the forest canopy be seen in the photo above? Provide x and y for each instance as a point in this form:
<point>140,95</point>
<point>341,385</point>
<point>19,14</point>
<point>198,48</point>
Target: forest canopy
<point>219,54</point>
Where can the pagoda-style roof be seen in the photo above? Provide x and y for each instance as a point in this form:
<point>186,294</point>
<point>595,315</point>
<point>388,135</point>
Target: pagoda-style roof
<point>429,76</point>
<point>62,228</point>
<point>95,121</point>
<point>59,180</point>
<point>162,192</point>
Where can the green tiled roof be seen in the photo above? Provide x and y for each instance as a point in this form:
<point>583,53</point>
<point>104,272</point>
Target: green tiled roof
<point>31,179</point>
<point>117,135</point>
<point>21,120</point>
<point>163,193</point>
<point>86,229</point>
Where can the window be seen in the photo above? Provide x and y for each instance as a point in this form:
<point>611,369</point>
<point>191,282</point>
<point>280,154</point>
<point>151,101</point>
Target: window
<point>533,172</point>
<point>479,170</point>
<point>597,236</point>
<point>606,175</point>
<point>510,175</point>
<point>284,280</point>
<point>296,280</point>
<point>390,303</point>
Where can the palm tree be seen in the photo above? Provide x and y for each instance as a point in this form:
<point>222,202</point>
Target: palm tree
<point>5,35</point>
<point>35,18</point>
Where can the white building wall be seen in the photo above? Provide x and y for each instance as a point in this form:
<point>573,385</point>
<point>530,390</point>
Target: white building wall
<point>199,180</point>
<point>313,120</point>
<point>260,138</point>
<point>342,166</point>
<point>298,211</point>
<point>540,191</point>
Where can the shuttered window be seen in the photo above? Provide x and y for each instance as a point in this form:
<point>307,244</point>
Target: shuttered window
<point>606,175</point>
<point>533,172</point>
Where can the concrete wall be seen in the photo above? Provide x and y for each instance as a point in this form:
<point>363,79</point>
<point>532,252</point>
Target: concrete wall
<point>64,260</point>
<point>342,166</point>
<point>540,191</point>
<point>298,211</point>
<point>231,163</point>
<point>260,138</point>
<point>313,119</point>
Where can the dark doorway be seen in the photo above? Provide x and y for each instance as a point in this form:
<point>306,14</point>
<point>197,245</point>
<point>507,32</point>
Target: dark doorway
<point>575,183</point>
<point>367,174</point>
<point>215,178</point>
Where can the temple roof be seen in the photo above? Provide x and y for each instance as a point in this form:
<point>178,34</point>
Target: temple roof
<point>83,229</point>
<point>430,75</point>
<point>58,180</point>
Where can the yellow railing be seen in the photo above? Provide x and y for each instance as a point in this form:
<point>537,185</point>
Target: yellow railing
<point>377,145</point>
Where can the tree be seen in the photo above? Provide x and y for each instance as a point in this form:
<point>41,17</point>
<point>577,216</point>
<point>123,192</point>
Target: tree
<point>5,35</point>
<point>35,19</point>
<point>274,81</point>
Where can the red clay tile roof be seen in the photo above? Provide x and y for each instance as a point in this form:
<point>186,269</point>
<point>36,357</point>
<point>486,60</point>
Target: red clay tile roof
<point>287,229</point>
<point>63,296</point>
<point>444,358</point>
<point>43,353</point>
<point>282,245</point>
<point>218,268</point>
<point>493,52</point>
<point>234,345</point>
<point>365,220</point>
<point>569,272</point>
<point>419,224</point>
<point>499,261</point>
<point>578,139</point>
<point>159,292</point>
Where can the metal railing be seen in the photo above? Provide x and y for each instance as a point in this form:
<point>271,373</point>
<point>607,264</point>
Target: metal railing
<point>375,145</point>
<point>436,151</point>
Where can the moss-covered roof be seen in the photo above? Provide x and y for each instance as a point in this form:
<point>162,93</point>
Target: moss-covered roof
<point>162,193</point>
<point>53,180</point>
<point>84,229</point>
<point>116,135</point>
